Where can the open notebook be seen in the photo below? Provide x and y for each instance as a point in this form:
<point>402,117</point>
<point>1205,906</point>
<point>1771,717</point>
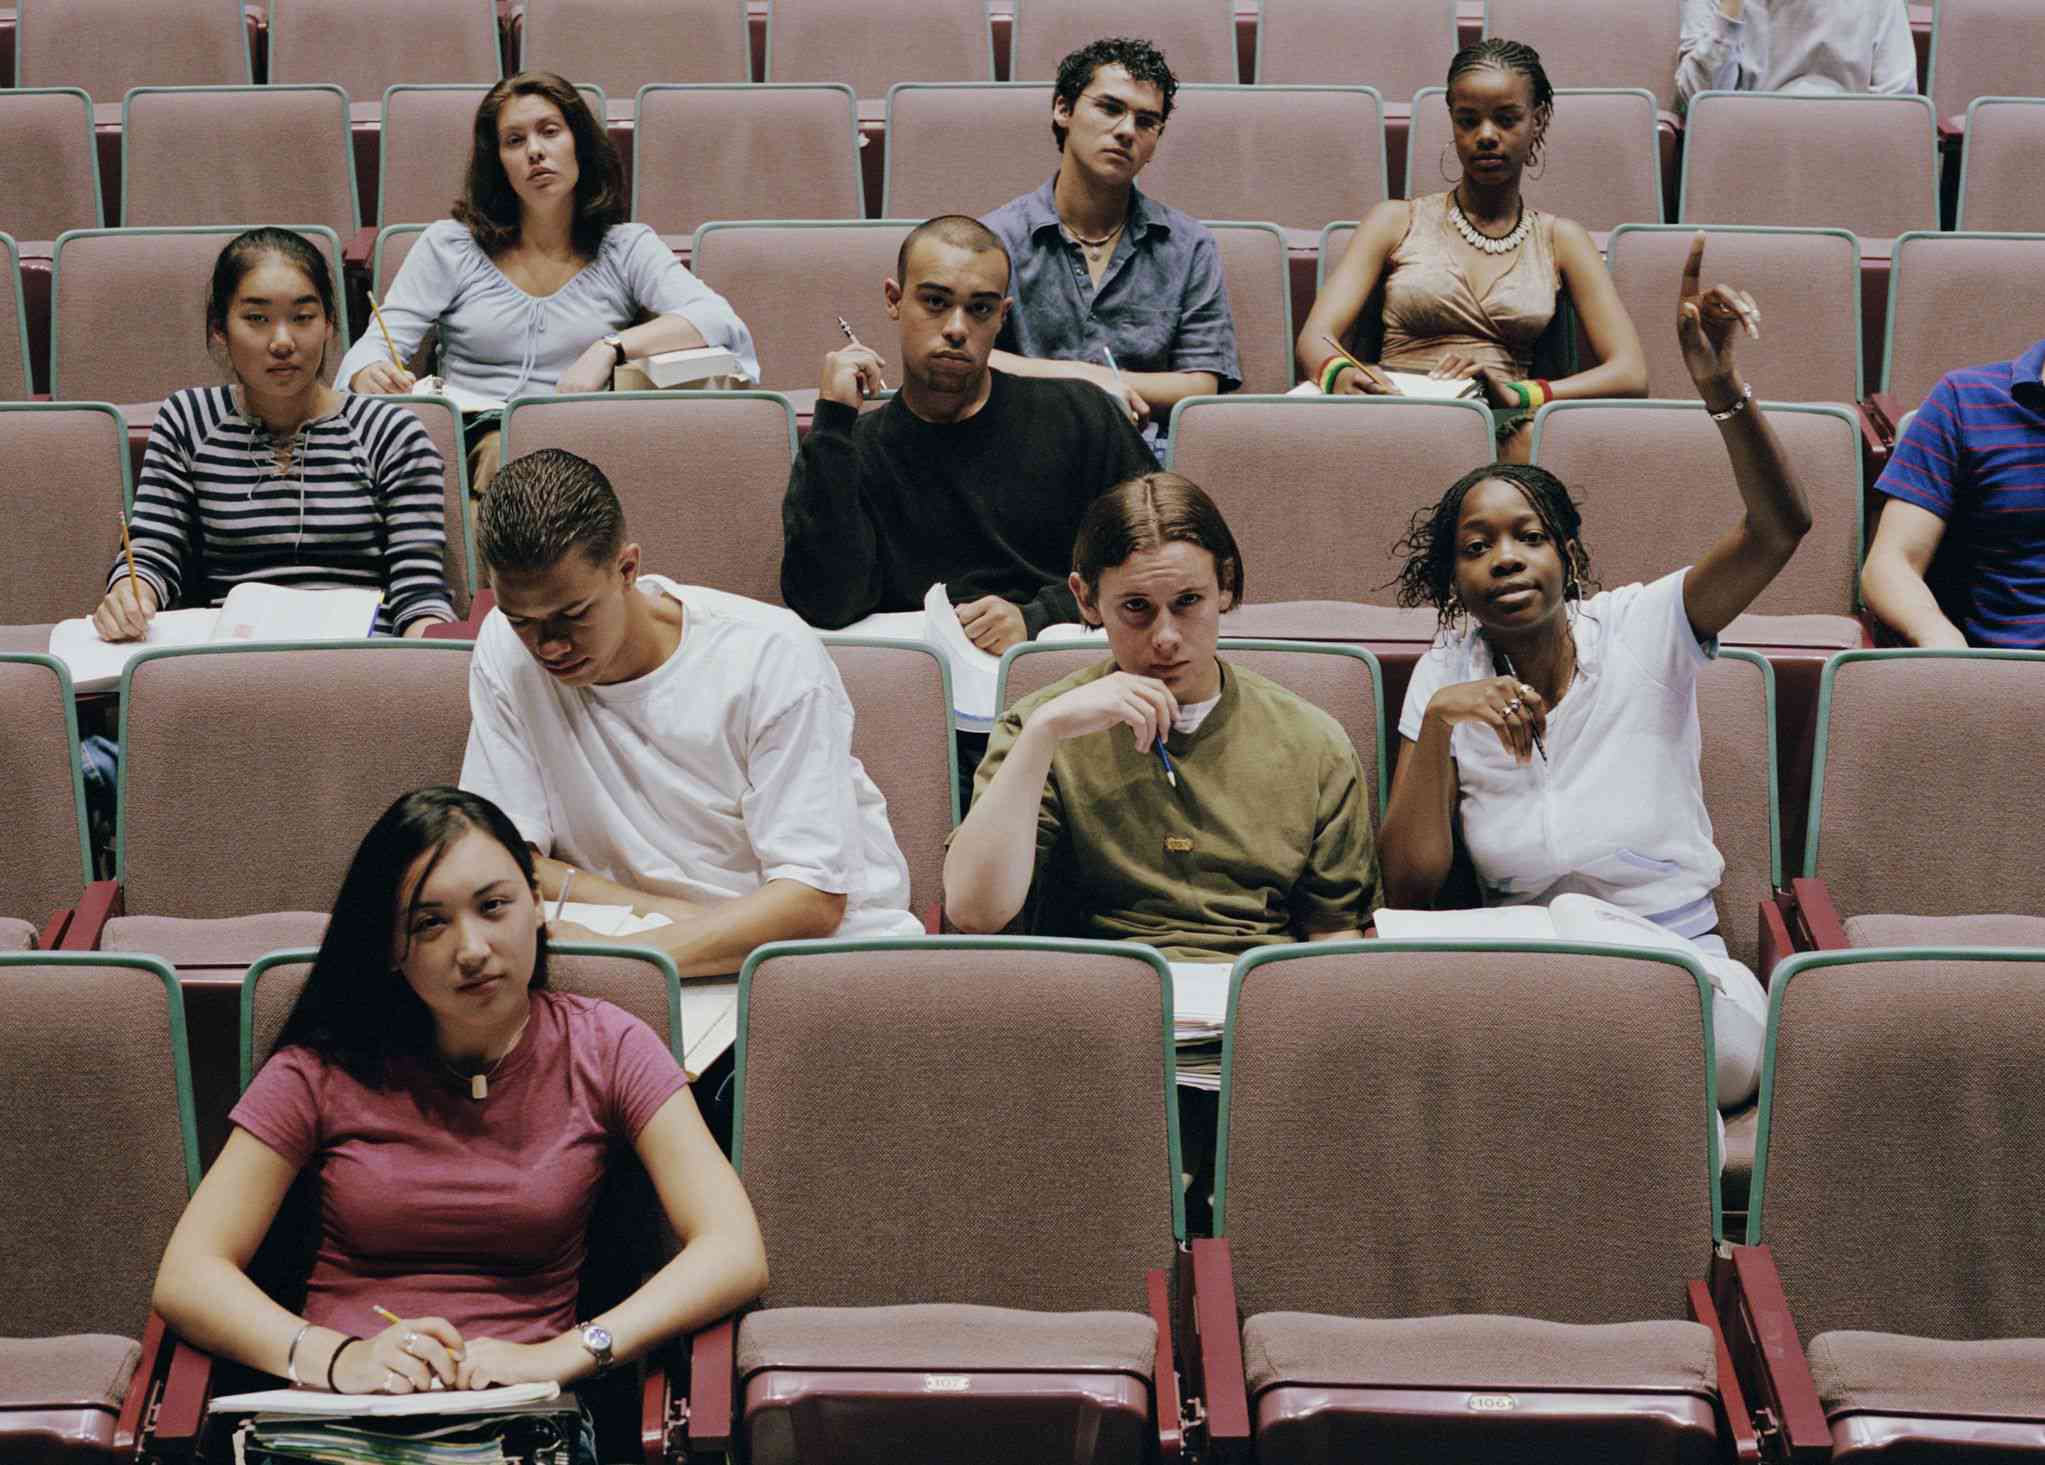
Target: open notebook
<point>1566,918</point>
<point>1417,385</point>
<point>315,1404</point>
<point>251,612</point>
<point>709,1004</point>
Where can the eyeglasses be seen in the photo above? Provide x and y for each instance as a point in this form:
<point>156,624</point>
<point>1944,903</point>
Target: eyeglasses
<point>1147,123</point>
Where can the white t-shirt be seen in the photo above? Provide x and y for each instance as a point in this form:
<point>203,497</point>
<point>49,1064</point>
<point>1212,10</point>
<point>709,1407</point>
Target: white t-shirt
<point>1616,810</point>
<point>727,766</point>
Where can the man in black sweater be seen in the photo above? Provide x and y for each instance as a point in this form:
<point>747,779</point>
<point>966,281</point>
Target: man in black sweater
<point>969,476</point>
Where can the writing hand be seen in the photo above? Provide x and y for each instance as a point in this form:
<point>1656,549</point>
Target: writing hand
<point>851,375</point>
<point>126,612</point>
<point>1506,705</point>
<point>405,1358</point>
<point>381,379</point>
<point>992,624</point>
<point>1364,381</point>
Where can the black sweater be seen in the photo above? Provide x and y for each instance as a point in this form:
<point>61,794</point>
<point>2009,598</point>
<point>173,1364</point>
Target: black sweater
<point>882,504</point>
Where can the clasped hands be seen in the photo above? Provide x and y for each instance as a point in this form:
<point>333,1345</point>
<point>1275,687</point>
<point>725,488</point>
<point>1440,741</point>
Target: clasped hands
<point>415,1355</point>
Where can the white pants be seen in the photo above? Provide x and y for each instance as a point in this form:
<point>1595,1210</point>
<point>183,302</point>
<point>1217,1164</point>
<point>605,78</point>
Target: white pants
<point>1739,1023</point>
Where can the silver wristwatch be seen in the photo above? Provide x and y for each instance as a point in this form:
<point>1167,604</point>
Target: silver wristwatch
<point>596,1341</point>
<point>617,344</point>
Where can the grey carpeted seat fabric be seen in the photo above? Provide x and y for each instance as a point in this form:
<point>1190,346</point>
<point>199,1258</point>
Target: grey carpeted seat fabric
<point>232,941</point>
<point>948,1336</point>
<point>1979,930</point>
<point>1888,1373</point>
<point>71,1371</point>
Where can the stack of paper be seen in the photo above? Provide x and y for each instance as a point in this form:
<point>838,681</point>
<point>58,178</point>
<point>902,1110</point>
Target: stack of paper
<point>1199,1012</point>
<point>443,1427</point>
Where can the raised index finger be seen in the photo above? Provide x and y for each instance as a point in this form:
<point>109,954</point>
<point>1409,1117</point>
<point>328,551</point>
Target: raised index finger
<point>1693,267</point>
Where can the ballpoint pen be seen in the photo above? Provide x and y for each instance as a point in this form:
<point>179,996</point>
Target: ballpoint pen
<point>1539,746</point>
<point>1166,759</point>
<point>846,326</point>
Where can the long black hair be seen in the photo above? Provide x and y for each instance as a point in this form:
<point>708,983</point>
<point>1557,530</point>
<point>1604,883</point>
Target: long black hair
<point>357,1010</point>
<point>250,248</point>
<point>1428,576</point>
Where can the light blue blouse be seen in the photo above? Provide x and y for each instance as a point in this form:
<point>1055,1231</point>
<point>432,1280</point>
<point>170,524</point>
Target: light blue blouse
<point>498,341</point>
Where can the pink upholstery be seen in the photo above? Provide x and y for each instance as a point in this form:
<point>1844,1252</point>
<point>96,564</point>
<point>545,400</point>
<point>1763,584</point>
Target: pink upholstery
<point>1985,48</point>
<point>1601,165</point>
<point>901,734</point>
<point>1806,281</point>
<point>393,243</point>
<point>106,280</point>
<point>1293,156</point>
<point>1948,304</point>
<point>1596,42</point>
<point>16,935</point>
<point>745,152</point>
<point>444,425</point>
<point>701,476</point>
<point>1258,269</point>
<point>1734,696</point>
<point>42,860</point>
<point>1866,164</point>
<point>1997,186</point>
<point>62,534</point>
<point>426,136</point>
<point>791,282</point>
<point>220,941</point>
<point>1198,37</point>
<point>49,170</point>
<point>364,46</point>
<point>1396,48</point>
<point>623,45</point>
<point>969,149</point>
<point>109,46</point>
<point>870,45</point>
<point>238,155</point>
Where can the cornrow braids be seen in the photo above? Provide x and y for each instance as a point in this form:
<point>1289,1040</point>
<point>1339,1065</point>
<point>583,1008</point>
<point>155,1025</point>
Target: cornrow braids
<point>542,506</point>
<point>1515,58</point>
<point>1428,576</point>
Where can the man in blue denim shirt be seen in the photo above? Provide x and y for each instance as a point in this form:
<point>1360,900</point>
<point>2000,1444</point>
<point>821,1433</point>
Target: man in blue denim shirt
<point>1099,267</point>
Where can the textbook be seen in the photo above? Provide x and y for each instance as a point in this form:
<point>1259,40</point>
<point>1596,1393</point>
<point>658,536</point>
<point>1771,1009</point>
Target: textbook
<point>1566,918</point>
<point>974,673</point>
<point>314,1404</point>
<point>1415,384</point>
<point>464,400</point>
<point>251,612</point>
<point>676,369</point>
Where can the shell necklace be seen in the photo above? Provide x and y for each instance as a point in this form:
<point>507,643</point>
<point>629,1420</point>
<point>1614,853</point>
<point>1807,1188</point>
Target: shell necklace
<point>1477,239</point>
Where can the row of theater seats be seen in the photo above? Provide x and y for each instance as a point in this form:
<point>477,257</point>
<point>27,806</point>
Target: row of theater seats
<point>1445,1176</point>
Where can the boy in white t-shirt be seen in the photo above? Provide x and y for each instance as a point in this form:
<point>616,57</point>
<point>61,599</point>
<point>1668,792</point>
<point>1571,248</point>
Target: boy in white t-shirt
<point>679,750</point>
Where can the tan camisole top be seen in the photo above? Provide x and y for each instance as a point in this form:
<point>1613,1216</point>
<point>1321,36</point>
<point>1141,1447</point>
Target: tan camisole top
<point>1430,309</point>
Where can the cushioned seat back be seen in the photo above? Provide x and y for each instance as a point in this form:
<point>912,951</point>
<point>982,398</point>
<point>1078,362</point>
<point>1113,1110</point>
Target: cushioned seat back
<point>1014,1115</point>
<point>1397,49</point>
<point>1866,164</point>
<point>237,155</point>
<point>43,858</point>
<point>424,148</point>
<point>965,147</point>
<point>701,475</point>
<point>1601,162</point>
<point>62,531</point>
<point>1998,186</point>
<point>363,46</point>
<point>1984,48</point>
<point>790,283</point>
<point>1411,1132</point>
<point>1933,753</point>
<point>1657,492</point>
<point>108,46</point>
<point>1596,42</point>
<point>49,171</point>
<point>250,773</point>
<point>104,280</point>
<point>1901,1141</point>
<point>1319,490</point>
<point>1736,714</point>
<point>14,346</point>
<point>1949,298</point>
<point>1258,269</point>
<point>1806,281</point>
<point>99,1153</point>
<point>443,423</point>
<point>623,45</point>
<point>1198,37</point>
<point>867,47</point>
<point>901,735</point>
<point>745,152</point>
<point>1297,157</point>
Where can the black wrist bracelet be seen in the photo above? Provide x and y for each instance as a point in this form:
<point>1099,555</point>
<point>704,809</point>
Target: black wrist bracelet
<point>336,1358</point>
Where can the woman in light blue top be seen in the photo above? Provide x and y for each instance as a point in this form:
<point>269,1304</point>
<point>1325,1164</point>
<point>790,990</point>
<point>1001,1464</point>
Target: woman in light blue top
<point>537,280</point>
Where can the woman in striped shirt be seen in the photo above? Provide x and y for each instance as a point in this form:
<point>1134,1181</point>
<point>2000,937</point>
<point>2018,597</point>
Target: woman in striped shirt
<point>279,477</point>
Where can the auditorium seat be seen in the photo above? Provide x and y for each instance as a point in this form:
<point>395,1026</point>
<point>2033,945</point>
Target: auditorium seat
<point>49,164</point>
<point>219,155</point>
<point>44,863</point>
<point>1900,1138</point>
<point>108,47</point>
<point>1597,43</point>
<point>967,148</point>
<point>791,281</point>
<point>1396,49</point>
<point>1950,305</point>
<point>15,359</point>
<point>1294,156</point>
<point>97,1163</point>
<point>1924,786</point>
<point>105,280</point>
<point>423,149</point>
<point>901,734</point>
<point>623,45</point>
<point>1318,491</point>
<point>1601,163</point>
<point>1258,269</point>
<point>1998,182</point>
<point>1866,164</point>
<point>869,45</point>
<point>744,152</point>
<point>248,775</point>
<point>1198,37</point>
<point>365,46</point>
<point>443,423</point>
<point>1015,1101</point>
<point>701,475</point>
<point>1983,48</point>
<point>1461,1198</point>
<point>1657,492</point>
<point>71,462</point>
<point>1806,281</point>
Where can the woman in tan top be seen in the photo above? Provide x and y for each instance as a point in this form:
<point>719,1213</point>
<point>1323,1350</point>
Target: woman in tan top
<point>1471,276</point>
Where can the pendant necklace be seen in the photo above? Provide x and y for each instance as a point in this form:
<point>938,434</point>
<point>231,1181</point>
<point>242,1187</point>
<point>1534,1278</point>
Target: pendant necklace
<point>1093,247</point>
<point>479,1083</point>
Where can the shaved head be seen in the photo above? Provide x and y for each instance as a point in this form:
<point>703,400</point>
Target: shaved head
<point>957,230</point>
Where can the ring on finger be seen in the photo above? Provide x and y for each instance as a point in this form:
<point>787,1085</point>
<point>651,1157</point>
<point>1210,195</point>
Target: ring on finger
<point>391,1378</point>
<point>1513,706</point>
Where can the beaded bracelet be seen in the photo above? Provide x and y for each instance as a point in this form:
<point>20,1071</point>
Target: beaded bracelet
<point>1331,369</point>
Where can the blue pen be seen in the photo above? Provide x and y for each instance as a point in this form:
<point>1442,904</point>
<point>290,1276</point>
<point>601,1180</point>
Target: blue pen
<point>1166,759</point>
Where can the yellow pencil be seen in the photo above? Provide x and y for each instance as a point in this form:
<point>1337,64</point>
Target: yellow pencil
<point>128,549</point>
<point>1329,339</point>
<point>388,345</point>
<point>386,1314</point>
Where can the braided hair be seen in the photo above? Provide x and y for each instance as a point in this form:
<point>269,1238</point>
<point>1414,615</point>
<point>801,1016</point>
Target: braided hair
<point>1428,576</point>
<point>1515,58</point>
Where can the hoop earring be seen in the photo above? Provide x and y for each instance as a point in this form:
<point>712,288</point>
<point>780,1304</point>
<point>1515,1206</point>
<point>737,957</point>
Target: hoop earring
<point>1539,168</point>
<point>1443,165</point>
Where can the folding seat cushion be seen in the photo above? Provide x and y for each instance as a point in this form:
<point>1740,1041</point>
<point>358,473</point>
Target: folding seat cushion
<point>1979,930</point>
<point>16,935</point>
<point>44,861</point>
<point>863,44</point>
<point>1398,49</point>
<point>1866,164</point>
<point>365,46</point>
<point>623,45</point>
<point>791,282</point>
<point>1996,180</point>
<point>49,168</point>
<point>745,152</point>
<point>107,47</point>
<point>1197,36</point>
<point>1882,1373</point>
<point>1602,43</point>
<point>238,155</point>
<point>901,735</point>
<point>1297,157</point>
<point>966,148</point>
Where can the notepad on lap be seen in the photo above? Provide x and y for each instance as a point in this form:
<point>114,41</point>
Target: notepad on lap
<point>463,399</point>
<point>312,1404</point>
<point>252,612</point>
<point>1435,389</point>
<point>1566,918</point>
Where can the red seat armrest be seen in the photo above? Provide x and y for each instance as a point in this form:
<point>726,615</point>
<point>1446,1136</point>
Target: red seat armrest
<point>359,253</point>
<point>1876,437</point>
<point>1767,1358</point>
<point>1885,410</point>
<point>172,1381</point>
<point>100,904</point>
<point>1739,1420</point>
<point>1171,1426</point>
<point>480,606</point>
<point>1817,917</point>
<point>51,937</point>
<point>1952,129</point>
<point>156,1340</point>
<point>1214,1349</point>
<point>713,1372</point>
<point>657,1413</point>
<point>1775,938</point>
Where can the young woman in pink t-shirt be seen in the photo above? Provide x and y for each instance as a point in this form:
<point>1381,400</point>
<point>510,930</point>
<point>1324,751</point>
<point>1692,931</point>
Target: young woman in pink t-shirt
<point>457,1117</point>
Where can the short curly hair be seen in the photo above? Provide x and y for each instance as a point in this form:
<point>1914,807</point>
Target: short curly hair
<point>1142,60</point>
<point>1428,576</point>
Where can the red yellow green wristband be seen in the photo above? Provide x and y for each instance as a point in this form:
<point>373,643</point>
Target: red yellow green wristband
<point>1332,368</point>
<point>1534,393</point>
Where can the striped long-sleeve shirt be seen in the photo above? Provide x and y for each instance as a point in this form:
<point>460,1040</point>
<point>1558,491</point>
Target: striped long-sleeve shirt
<point>361,506</point>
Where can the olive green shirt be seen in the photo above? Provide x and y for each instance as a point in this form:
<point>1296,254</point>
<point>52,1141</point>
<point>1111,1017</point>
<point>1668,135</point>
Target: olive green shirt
<point>1266,839</point>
